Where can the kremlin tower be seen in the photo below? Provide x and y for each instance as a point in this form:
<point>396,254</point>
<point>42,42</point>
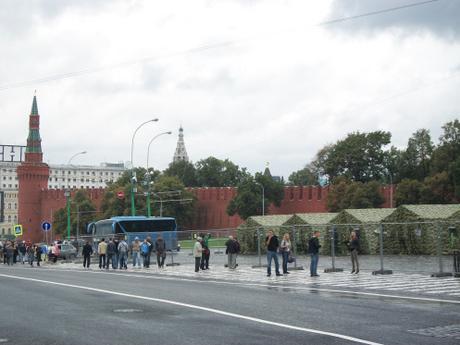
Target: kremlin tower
<point>33,177</point>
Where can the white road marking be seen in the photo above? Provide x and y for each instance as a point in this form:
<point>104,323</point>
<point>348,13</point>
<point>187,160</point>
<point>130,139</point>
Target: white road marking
<point>300,288</point>
<point>193,306</point>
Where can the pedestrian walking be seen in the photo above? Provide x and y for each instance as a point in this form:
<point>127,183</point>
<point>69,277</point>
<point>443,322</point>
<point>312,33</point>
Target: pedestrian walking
<point>313,250</point>
<point>272,243</point>
<point>110,253</point>
<point>232,250</point>
<point>353,246</point>
<point>102,251</point>
<point>197,251</point>
<point>285,250</point>
<point>135,250</point>
<point>1,251</point>
<point>123,254</point>
<point>30,251</point>
<point>87,251</point>
<point>160,249</point>
<point>145,253</point>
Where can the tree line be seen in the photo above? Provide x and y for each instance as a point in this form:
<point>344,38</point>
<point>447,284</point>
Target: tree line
<point>354,168</point>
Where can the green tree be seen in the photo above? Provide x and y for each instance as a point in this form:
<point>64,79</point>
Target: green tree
<point>113,206</point>
<point>172,199</point>
<point>408,192</point>
<point>359,157</point>
<point>437,189</point>
<point>416,160</point>
<point>303,177</point>
<point>345,194</point>
<point>82,212</point>
<point>184,171</point>
<point>446,156</point>
<point>248,201</point>
<point>213,172</point>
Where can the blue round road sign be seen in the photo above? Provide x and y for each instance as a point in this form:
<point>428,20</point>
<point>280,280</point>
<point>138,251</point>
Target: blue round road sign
<point>46,226</point>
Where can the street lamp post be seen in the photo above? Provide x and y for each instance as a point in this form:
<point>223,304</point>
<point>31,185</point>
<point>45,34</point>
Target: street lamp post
<point>133,175</point>
<point>67,194</point>
<point>263,197</point>
<point>147,174</point>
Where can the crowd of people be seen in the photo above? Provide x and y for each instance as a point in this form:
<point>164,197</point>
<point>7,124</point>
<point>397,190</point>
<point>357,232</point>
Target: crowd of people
<point>114,252</point>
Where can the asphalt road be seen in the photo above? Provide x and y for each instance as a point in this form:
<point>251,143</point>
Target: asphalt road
<point>52,306</point>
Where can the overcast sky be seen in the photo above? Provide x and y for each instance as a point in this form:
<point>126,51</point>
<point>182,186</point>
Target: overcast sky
<point>251,81</point>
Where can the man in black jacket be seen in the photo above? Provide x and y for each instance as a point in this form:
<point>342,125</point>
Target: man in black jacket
<point>87,252</point>
<point>313,250</point>
<point>272,243</point>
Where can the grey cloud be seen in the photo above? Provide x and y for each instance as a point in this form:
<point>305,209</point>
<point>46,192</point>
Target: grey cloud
<point>219,80</point>
<point>440,17</point>
<point>18,17</point>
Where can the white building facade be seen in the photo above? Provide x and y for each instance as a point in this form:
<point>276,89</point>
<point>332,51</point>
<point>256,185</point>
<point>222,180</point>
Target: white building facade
<point>61,177</point>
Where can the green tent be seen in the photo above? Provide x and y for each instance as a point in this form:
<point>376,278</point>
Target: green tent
<point>302,225</point>
<point>365,222</point>
<point>414,229</point>
<point>247,232</point>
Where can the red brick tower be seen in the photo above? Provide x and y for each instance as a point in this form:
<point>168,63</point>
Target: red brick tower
<point>33,177</point>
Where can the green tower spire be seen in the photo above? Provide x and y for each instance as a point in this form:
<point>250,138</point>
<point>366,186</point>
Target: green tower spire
<point>34,142</point>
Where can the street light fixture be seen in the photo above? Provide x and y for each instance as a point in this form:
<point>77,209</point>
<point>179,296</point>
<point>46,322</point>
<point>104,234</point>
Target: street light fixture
<point>263,197</point>
<point>67,194</point>
<point>133,176</point>
<point>147,174</point>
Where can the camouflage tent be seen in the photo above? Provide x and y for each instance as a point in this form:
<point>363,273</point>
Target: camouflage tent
<point>414,229</point>
<point>301,227</point>
<point>247,232</point>
<point>365,222</point>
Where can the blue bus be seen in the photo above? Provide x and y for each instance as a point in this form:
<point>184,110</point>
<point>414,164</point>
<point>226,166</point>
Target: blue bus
<point>130,227</point>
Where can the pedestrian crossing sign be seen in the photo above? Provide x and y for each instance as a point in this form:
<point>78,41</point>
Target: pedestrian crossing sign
<point>18,230</point>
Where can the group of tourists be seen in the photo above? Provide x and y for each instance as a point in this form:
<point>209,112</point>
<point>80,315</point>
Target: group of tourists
<point>22,252</point>
<point>274,246</point>
<point>114,253</point>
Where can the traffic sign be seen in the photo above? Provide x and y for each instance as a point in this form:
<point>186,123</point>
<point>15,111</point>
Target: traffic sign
<point>17,230</point>
<point>46,226</point>
<point>120,194</point>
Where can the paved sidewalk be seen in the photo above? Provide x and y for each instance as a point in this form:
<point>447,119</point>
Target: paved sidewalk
<point>398,284</point>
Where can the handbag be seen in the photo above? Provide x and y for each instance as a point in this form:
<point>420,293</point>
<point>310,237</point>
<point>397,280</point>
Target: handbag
<point>291,258</point>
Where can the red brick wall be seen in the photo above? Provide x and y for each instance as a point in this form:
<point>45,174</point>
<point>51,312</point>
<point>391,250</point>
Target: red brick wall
<point>211,205</point>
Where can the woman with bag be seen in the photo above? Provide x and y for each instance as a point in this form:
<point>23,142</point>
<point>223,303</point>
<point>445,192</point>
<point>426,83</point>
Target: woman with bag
<point>285,249</point>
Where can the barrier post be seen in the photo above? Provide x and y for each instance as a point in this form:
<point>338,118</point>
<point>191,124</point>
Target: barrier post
<point>441,272</point>
<point>333,269</point>
<point>294,250</point>
<point>382,270</point>
<point>259,254</point>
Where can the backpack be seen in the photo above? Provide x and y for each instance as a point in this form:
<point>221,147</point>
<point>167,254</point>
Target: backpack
<point>123,247</point>
<point>145,248</point>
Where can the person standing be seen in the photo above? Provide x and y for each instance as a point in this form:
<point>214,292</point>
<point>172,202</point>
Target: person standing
<point>135,249</point>
<point>115,255</point>
<point>38,254</point>
<point>9,253</point>
<point>145,252</point>
<point>149,254</point>
<point>272,243</point>
<point>87,251</point>
<point>123,254</point>
<point>313,250</point>
<point>353,245</point>
<point>231,251</point>
<point>160,249</point>
<point>102,251</point>
<point>285,248</point>
<point>206,252</point>
<point>22,251</point>
<point>110,253</point>
<point>197,250</point>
